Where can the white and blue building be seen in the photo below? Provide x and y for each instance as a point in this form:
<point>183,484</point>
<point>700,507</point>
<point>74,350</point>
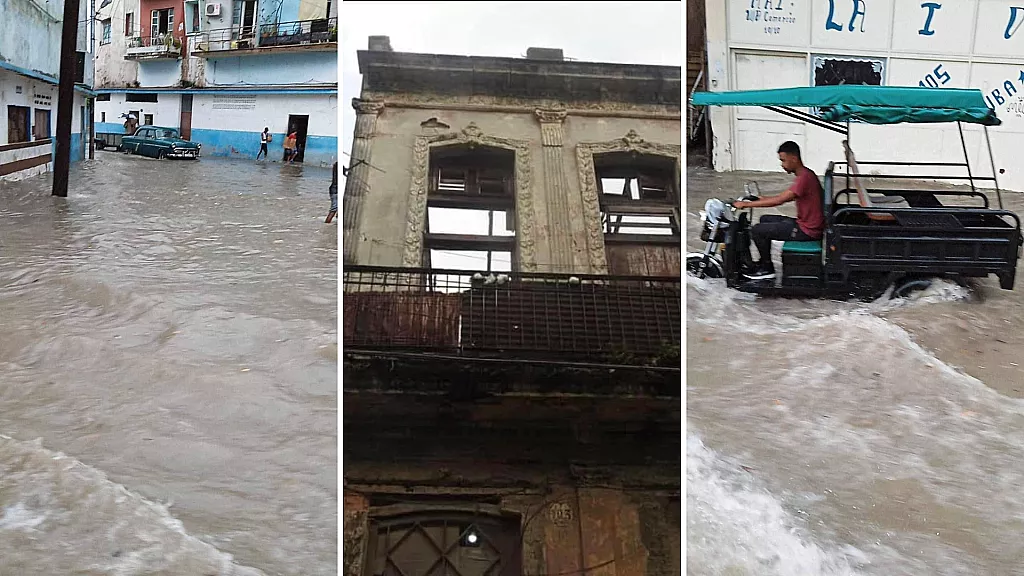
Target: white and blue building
<point>222,71</point>
<point>30,36</point>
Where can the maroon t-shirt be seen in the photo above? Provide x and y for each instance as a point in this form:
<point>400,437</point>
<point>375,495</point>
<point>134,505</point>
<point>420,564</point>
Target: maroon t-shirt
<point>809,198</point>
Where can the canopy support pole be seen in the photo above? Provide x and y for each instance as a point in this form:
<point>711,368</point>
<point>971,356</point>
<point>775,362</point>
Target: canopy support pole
<point>848,166</point>
<point>809,118</point>
<point>992,160</point>
<point>967,159</point>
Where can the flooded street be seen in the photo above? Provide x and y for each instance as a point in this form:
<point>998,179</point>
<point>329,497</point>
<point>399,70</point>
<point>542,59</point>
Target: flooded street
<point>168,371</point>
<point>834,438</point>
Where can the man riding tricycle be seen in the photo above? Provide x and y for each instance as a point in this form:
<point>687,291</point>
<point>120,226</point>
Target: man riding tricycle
<point>860,242</point>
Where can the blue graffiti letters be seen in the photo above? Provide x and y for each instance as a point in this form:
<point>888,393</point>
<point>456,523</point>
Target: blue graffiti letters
<point>1010,88</point>
<point>935,79</point>
<point>829,24</point>
<point>859,9</point>
<point>1010,28</point>
<point>927,29</point>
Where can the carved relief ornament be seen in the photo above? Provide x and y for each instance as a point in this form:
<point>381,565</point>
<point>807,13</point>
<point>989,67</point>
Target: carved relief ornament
<point>470,135</point>
<point>367,106</point>
<point>585,151</point>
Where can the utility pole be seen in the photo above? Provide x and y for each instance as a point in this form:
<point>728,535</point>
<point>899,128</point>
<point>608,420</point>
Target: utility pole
<point>65,98</point>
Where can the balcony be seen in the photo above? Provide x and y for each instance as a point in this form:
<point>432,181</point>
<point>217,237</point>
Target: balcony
<point>599,320</point>
<point>320,34</point>
<point>153,47</point>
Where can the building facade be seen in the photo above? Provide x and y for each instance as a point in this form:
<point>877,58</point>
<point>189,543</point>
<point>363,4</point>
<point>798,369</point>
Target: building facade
<point>754,44</point>
<point>30,37</point>
<point>221,72</point>
<point>512,317</point>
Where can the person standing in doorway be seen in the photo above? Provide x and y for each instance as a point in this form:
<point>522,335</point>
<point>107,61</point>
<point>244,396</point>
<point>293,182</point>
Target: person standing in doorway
<point>333,190</point>
<point>289,147</point>
<point>265,138</point>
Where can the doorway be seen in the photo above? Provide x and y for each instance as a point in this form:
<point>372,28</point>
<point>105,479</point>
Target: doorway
<point>186,116</point>
<point>300,125</point>
<point>19,124</point>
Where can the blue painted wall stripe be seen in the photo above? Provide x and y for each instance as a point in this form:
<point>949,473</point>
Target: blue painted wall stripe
<point>239,144</point>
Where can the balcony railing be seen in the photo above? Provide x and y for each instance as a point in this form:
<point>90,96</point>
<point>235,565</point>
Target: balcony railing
<point>618,319</point>
<point>161,46</point>
<point>300,33</point>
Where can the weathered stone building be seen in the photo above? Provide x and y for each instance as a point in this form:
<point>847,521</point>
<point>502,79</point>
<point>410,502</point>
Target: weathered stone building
<point>526,423</point>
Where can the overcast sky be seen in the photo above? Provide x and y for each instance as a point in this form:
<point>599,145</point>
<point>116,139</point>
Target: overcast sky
<point>622,32</point>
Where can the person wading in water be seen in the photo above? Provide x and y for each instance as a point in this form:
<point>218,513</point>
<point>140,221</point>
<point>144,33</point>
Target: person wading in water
<point>265,138</point>
<point>333,190</point>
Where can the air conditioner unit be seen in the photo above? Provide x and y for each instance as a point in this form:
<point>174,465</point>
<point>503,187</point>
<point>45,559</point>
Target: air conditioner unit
<point>213,9</point>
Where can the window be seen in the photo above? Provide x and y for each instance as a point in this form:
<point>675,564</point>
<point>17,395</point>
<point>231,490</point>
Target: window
<point>147,119</point>
<point>243,18</point>
<point>103,97</point>
<point>105,36</point>
<point>41,129</point>
<point>192,19</point>
<point>638,194</point>
<point>103,116</point>
<point>129,25</point>
<point>471,209</point>
<point>163,22</point>
<point>18,126</point>
<point>835,71</point>
<point>140,97</point>
<point>436,542</point>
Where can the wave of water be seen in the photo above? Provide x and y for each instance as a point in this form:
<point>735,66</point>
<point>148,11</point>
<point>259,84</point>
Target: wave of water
<point>57,511</point>
<point>736,527</point>
<point>867,454</point>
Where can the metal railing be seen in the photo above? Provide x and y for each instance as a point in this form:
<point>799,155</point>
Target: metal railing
<point>234,38</point>
<point>621,319</point>
<point>298,33</point>
<point>156,45</point>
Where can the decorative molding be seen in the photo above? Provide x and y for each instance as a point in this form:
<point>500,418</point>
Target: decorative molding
<point>585,151</point>
<point>548,116</point>
<point>526,106</point>
<point>367,106</point>
<point>434,124</point>
<point>551,133</point>
<point>470,135</point>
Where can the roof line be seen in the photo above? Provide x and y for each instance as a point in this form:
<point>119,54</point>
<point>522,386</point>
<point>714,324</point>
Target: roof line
<point>33,75</point>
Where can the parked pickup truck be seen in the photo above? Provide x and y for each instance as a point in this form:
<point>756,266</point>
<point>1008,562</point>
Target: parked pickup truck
<point>157,142</point>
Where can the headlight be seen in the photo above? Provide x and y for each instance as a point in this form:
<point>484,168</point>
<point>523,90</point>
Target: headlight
<point>703,214</point>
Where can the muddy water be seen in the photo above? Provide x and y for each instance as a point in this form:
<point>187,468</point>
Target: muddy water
<point>168,361</point>
<point>830,438</point>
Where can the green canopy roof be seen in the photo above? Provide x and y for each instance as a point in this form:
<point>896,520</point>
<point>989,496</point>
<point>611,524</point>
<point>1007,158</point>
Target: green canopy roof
<point>871,104</point>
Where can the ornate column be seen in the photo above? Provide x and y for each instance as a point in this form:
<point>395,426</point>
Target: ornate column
<point>357,181</point>
<point>563,214</point>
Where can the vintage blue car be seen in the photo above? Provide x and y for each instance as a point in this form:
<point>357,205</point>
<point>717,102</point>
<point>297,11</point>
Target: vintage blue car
<point>157,142</point>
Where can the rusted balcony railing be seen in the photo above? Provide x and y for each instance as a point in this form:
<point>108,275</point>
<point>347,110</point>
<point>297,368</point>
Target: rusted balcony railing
<point>299,33</point>
<point>622,319</point>
<point>163,45</point>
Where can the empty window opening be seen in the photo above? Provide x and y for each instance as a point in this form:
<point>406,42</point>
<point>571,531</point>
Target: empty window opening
<point>638,194</point>
<point>471,209</point>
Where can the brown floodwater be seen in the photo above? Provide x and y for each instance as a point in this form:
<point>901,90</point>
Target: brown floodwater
<point>168,370</point>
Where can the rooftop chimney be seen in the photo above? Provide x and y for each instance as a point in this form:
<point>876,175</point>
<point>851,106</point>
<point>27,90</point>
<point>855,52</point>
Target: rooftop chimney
<point>545,54</point>
<point>380,44</point>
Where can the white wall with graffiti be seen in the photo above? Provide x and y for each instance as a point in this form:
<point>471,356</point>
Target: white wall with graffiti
<point>941,43</point>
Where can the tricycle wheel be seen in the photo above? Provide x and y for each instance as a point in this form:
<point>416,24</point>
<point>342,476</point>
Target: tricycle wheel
<point>906,287</point>
<point>713,269</point>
